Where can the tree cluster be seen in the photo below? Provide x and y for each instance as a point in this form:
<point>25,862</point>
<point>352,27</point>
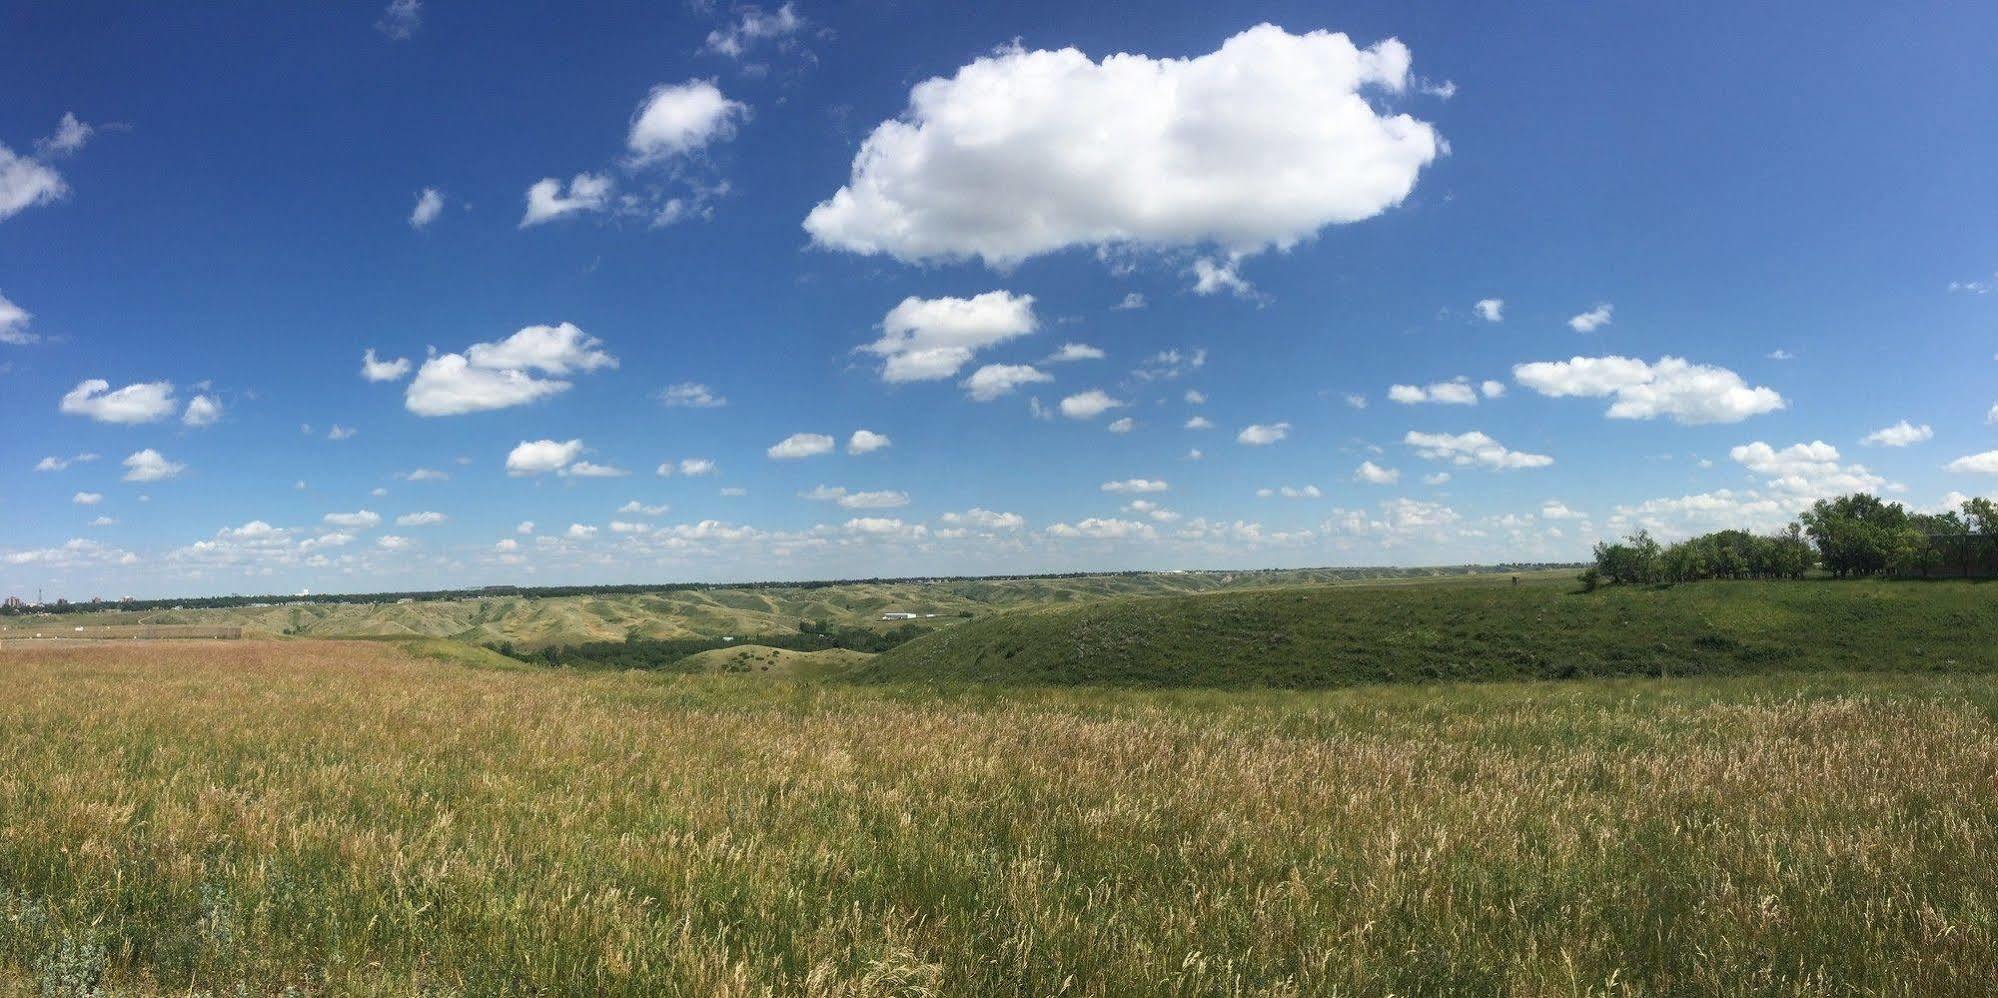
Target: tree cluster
<point>1851,536</point>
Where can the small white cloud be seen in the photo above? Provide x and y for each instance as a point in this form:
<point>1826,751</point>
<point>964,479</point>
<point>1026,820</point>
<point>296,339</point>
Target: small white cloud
<point>1135,485</point>
<point>695,467</point>
<point>26,182</point>
<point>538,457</point>
<point>1071,352</point>
<point>150,466</point>
<point>1088,405</point>
<point>1809,471</point>
<point>1291,492</point>
<point>1195,396</point>
<point>634,506</point>
<point>1437,478</point>
<point>800,445</point>
<point>1131,301</point>
<point>523,368</point>
<point>1555,509</point>
<point>1473,448</point>
<point>929,339</point>
<point>691,395</point>
<point>580,532</point>
<point>1356,400</point>
<point>585,469</point>
<point>995,381</point>
<point>524,527</point>
<point>1374,474</point>
<point>1261,435</point>
<point>339,432</point>
<point>400,19</point>
<point>1103,529</point>
<point>1981,464</point>
<point>985,519</point>
<point>14,324</point>
<point>679,119</point>
<point>1211,277</point>
<point>87,498</point>
<point>1123,425</point>
<point>1781,355</point>
<point>358,520</point>
<point>424,475</point>
<point>1492,389</point>
<point>429,204</point>
<point>1491,309</point>
<point>1199,423</point>
<point>546,201</point>
<point>423,519</point>
<point>867,442</point>
<point>68,140</point>
<point>1593,319</point>
<point>884,499</point>
<point>146,402</point>
<point>202,410</point>
<point>393,542</point>
<point>1458,392</point>
<point>104,521</point>
<point>53,463</point>
<point>382,370</point>
<point>751,26</point>
<point>1901,434</point>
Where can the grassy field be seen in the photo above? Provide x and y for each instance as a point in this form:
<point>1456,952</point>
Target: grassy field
<point>1466,629</point>
<point>536,622</point>
<point>376,818</point>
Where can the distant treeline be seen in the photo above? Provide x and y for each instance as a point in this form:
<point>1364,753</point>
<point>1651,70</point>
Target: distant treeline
<point>1851,536</point>
<point>544,592</point>
<point>665,654</point>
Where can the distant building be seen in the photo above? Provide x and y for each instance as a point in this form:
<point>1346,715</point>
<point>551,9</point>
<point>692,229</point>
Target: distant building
<point>894,615</point>
<point>14,603</point>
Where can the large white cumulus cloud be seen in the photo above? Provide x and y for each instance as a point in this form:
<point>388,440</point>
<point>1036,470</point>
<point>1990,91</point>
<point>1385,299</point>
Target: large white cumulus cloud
<point>1685,392</point>
<point>1259,144</point>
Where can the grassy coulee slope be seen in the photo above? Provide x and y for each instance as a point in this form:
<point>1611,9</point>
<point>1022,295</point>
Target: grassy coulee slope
<point>1464,630</point>
<point>535,622</point>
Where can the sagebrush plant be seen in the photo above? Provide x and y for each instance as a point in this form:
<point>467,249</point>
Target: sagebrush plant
<point>338,818</point>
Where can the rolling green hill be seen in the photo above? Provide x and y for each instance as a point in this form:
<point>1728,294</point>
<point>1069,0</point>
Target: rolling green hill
<point>530,622</point>
<point>1306,637</point>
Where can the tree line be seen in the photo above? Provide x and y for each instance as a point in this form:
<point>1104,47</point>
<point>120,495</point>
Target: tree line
<point>1852,536</point>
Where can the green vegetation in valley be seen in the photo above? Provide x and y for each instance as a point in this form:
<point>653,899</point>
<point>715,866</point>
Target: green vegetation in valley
<point>532,620</point>
<point>337,818</point>
<point>679,654</point>
<point>1306,637</point>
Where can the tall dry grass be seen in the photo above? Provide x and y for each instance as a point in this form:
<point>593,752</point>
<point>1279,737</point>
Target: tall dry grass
<point>335,818</point>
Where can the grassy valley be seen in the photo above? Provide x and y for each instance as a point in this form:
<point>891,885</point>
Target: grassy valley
<point>532,622</point>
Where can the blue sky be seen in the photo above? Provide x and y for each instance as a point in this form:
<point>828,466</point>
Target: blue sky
<point>818,219</point>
